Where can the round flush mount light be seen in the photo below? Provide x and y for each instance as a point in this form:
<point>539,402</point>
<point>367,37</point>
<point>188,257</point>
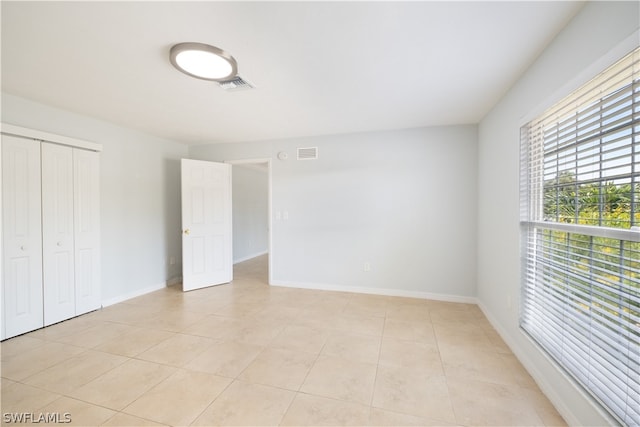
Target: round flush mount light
<point>203,61</point>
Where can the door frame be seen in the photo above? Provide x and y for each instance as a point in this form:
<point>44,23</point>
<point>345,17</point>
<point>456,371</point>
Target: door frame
<point>266,160</point>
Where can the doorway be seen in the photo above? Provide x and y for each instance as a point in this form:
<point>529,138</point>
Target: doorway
<point>251,201</point>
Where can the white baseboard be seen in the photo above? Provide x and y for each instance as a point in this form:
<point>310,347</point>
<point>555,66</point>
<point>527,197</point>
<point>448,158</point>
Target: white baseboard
<point>378,291</point>
<point>248,257</point>
<point>556,399</point>
<point>134,294</point>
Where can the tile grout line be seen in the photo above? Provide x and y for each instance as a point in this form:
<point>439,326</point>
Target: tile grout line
<point>375,380</point>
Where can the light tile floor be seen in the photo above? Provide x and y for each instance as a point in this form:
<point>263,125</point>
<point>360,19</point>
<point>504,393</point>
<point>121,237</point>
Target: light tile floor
<point>251,354</point>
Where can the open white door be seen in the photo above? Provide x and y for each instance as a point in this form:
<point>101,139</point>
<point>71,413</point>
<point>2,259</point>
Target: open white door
<point>207,257</point>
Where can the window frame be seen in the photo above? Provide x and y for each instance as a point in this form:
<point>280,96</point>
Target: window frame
<point>533,221</point>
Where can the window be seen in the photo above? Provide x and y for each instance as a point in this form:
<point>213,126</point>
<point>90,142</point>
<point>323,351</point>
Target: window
<point>580,225</point>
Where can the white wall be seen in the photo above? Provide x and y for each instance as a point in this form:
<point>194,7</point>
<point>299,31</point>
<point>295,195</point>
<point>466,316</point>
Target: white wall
<point>250,212</point>
<point>140,196</point>
<point>403,201</point>
<point>575,55</point>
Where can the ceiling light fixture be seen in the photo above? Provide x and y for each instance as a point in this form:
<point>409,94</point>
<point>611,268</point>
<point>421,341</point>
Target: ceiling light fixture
<point>203,61</point>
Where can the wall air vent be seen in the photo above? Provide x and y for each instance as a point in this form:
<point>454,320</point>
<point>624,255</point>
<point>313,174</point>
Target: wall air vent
<point>236,84</point>
<point>309,153</point>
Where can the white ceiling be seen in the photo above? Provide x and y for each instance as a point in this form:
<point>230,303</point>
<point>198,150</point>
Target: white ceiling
<point>319,67</point>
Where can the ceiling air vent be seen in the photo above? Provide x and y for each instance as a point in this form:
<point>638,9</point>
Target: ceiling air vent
<point>309,153</point>
<point>235,84</point>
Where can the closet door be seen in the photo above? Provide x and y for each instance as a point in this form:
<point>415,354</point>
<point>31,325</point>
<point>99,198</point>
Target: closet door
<point>86,175</point>
<point>57,233</point>
<point>21,235</point>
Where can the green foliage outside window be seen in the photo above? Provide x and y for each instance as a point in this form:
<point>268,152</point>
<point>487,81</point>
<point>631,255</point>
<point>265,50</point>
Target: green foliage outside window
<point>600,204</point>
<point>597,265</point>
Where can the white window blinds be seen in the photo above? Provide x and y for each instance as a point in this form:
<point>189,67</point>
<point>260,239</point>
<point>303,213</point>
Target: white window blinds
<point>580,218</point>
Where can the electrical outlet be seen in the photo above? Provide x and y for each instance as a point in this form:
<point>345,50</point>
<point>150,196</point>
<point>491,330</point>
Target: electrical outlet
<point>367,266</point>
<point>172,260</point>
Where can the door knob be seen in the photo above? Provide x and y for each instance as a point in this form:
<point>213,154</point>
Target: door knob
<point>186,231</point>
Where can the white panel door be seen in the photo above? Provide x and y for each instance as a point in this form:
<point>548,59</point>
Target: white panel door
<point>207,257</point>
<point>86,225</point>
<point>22,235</point>
<point>57,233</point>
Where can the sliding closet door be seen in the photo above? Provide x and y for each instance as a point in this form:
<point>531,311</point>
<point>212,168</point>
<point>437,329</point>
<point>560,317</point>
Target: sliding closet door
<point>57,233</point>
<point>86,174</point>
<point>21,235</point>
